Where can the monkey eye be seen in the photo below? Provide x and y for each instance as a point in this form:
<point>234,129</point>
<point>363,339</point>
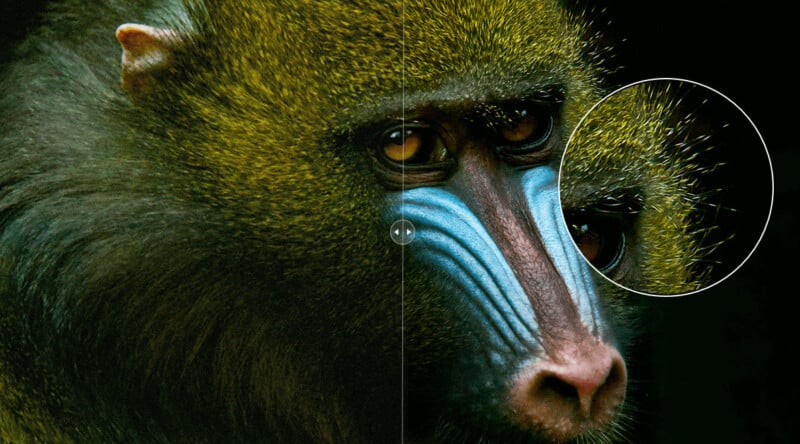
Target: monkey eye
<point>529,127</point>
<point>522,139</point>
<point>600,241</point>
<point>408,155</point>
<point>413,145</point>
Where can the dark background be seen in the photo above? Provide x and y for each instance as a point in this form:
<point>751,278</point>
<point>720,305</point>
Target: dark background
<point>721,357</point>
<point>15,17</point>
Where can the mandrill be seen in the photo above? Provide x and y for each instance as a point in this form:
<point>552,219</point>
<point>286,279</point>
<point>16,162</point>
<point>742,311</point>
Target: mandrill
<point>195,245</point>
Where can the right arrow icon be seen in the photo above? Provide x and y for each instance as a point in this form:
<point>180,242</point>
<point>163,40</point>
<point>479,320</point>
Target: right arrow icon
<point>402,232</point>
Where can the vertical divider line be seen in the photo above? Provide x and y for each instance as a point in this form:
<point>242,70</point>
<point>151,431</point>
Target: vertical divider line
<point>403,216</point>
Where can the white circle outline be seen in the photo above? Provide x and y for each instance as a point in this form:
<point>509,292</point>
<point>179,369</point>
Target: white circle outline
<point>403,223</point>
<point>763,144</point>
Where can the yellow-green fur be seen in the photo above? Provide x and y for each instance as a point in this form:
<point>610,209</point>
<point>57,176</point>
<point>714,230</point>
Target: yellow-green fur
<point>248,141</point>
<point>622,146</point>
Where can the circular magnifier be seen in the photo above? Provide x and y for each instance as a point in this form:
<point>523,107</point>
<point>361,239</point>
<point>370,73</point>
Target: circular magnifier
<point>666,187</point>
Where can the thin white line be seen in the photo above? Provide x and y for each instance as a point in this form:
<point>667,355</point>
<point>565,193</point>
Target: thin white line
<point>763,144</point>
<point>403,247</point>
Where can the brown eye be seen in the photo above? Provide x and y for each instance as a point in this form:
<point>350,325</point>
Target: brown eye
<point>528,130</point>
<point>521,130</point>
<point>602,244</point>
<point>413,145</point>
<point>408,154</point>
<point>402,147</point>
<point>588,241</point>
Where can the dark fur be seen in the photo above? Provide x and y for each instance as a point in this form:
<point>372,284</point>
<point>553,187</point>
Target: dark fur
<point>123,299</point>
<point>151,291</point>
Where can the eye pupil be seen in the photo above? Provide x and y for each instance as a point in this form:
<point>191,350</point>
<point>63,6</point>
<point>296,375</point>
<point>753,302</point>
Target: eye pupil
<point>589,242</point>
<point>400,148</point>
<point>602,244</point>
<point>527,130</point>
<point>521,130</point>
<point>413,145</point>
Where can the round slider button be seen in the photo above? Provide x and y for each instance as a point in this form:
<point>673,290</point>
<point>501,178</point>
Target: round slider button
<point>402,232</point>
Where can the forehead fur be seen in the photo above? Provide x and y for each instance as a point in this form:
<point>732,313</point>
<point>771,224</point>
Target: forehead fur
<point>267,82</point>
<point>355,56</point>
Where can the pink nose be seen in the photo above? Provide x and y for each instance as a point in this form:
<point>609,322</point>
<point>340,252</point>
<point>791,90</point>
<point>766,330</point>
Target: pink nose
<point>575,389</point>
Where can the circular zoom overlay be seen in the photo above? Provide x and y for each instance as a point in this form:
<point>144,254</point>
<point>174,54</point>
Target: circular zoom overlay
<point>666,187</point>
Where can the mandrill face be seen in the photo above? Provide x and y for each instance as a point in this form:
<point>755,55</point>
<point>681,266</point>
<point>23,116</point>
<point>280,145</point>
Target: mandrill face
<point>452,116</point>
<point>196,247</point>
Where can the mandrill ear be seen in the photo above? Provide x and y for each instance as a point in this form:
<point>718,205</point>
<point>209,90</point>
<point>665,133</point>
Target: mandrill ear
<point>146,51</point>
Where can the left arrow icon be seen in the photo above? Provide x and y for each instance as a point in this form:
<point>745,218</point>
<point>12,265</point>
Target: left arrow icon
<point>402,232</point>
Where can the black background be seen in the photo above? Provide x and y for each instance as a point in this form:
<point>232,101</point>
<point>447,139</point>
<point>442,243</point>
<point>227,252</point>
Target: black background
<point>722,357</point>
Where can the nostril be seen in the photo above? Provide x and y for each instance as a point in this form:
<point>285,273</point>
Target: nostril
<point>553,387</point>
<point>589,386</point>
<point>578,392</point>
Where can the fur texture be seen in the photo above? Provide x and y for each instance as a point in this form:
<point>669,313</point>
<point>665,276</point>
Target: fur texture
<point>209,261</point>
